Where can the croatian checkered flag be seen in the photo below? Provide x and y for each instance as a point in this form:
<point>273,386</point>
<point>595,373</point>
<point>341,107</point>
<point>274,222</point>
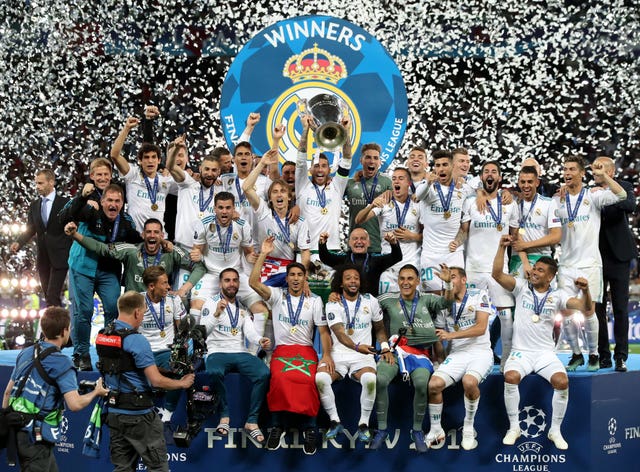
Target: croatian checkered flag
<point>93,433</point>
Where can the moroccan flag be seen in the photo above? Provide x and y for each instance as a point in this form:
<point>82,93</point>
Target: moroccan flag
<point>293,380</point>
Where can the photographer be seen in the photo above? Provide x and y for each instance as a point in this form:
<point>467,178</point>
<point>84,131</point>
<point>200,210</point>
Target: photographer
<point>45,367</point>
<point>130,371</point>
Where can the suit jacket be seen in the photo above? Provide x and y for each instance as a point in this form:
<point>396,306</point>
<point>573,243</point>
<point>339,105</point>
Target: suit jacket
<point>616,240</point>
<point>53,245</point>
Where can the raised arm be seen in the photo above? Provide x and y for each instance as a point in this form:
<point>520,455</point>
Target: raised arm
<point>254,278</point>
<point>116,151</point>
<point>507,281</point>
<point>252,120</point>
<point>583,303</point>
<point>176,172</point>
<point>248,186</point>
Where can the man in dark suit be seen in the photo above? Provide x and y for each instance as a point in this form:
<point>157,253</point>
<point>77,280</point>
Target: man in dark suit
<point>618,249</point>
<point>53,245</point>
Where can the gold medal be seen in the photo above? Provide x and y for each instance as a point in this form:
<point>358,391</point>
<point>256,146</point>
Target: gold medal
<point>200,215</point>
<point>291,245</point>
<point>413,330</point>
<point>535,318</point>
<point>447,215</point>
<point>521,231</point>
<point>163,334</point>
<point>154,207</point>
<point>350,331</point>
<point>324,211</point>
<point>293,330</point>
<point>570,224</point>
<point>456,327</point>
<point>499,227</point>
<point>234,331</point>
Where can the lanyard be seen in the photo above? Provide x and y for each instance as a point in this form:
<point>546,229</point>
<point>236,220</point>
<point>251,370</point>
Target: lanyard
<point>414,307</point>
<point>322,197</point>
<point>159,320</point>
<point>284,227</point>
<point>114,230</point>
<point>233,318</point>
<point>497,218</point>
<point>573,213</point>
<point>351,321</point>
<point>401,217</point>
<point>524,218</point>
<point>145,256</point>
<point>293,318</point>
<point>365,264</point>
<point>538,304</point>
<point>445,201</point>
<point>458,314</point>
<point>202,203</point>
<point>227,241</point>
<point>241,195</point>
<point>153,193</point>
<point>369,196</point>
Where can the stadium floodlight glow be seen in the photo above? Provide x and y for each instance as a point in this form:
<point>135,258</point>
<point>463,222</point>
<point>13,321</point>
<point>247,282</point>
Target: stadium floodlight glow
<point>15,228</point>
<point>4,283</point>
<point>14,313</point>
<point>4,313</point>
<point>33,282</point>
<point>24,282</point>
<point>33,314</point>
<point>14,282</point>
<point>24,313</point>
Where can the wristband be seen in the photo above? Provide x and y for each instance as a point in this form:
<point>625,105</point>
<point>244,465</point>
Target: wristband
<point>448,286</point>
<point>384,345</point>
<point>356,347</point>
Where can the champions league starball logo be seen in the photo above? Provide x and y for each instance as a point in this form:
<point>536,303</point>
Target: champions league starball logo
<point>299,58</point>
<point>533,422</point>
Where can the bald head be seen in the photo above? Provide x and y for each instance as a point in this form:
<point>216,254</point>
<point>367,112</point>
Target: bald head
<point>530,161</point>
<point>608,163</point>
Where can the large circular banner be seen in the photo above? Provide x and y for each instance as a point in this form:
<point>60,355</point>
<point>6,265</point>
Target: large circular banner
<point>303,57</point>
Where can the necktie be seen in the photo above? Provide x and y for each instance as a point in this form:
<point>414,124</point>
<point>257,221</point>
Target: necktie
<point>43,211</point>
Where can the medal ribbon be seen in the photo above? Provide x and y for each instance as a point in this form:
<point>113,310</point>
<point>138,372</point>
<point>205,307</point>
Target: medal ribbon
<point>458,314</point>
<point>233,318</point>
<point>227,241</point>
<point>293,318</point>
<point>369,196</point>
<point>153,194</point>
<point>114,230</point>
<point>524,218</point>
<point>414,307</point>
<point>497,218</point>
<point>322,197</point>
<point>573,213</point>
<point>285,229</point>
<point>402,217</point>
<point>202,203</point>
<point>145,260</point>
<point>159,320</point>
<point>538,304</point>
<point>365,264</point>
<point>445,202</point>
<point>241,195</point>
<point>351,321</point>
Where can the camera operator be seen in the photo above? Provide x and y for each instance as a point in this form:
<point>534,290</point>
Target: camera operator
<point>42,378</point>
<point>130,371</point>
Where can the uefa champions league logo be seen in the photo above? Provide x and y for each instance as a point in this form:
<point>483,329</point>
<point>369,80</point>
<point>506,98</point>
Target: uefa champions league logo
<point>612,426</point>
<point>64,425</point>
<point>533,422</point>
<point>298,58</point>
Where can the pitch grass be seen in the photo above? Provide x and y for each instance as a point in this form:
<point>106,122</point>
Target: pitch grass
<point>634,348</point>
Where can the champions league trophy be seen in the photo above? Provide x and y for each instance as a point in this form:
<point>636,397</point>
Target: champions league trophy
<point>327,112</point>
